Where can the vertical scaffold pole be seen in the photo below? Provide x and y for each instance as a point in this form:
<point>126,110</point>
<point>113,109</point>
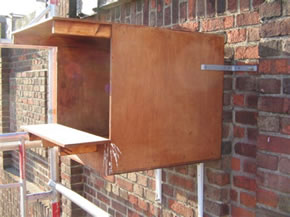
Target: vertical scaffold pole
<point>54,175</point>
<point>22,161</point>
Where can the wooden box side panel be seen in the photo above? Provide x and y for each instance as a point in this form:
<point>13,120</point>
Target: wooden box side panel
<point>165,111</point>
<point>83,89</point>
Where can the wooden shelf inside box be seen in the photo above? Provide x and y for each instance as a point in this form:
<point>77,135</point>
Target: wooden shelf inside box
<point>70,141</point>
<point>141,87</point>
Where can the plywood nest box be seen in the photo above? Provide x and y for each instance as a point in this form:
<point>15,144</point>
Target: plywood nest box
<point>140,87</point>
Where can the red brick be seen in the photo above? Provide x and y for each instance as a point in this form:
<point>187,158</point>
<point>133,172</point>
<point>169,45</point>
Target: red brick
<point>110,178</point>
<point>124,184</point>
<point>253,34</point>
<point>239,132</point>
<point>234,195</point>
<point>180,208</point>
<point>236,164</point>
<point>191,9</point>
<point>245,5</point>
<point>200,8</point>
<point>246,117</point>
<point>143,205</point>
<point>133,214</point>
<point>216,193</point>
<point>103,198</point>
<point>181,169</point>
<point>276,28</point>
<point>273,181</point>
<point>232,5</point>
<point>245,183</point>
<point>182,182</point>
<point>274,144</point>
<point>284,165</point>
<point>182,12</point>
<point>142,180</point>
<point>257,3</point>
<point>268,198</point>
<point>210,8</point>
<point>226,130</point>
<point>241,212</point>
<point>217,23</point>
<point>267,161</point>
<point>191,26</point>
<point>251,52</point>
<point>272,9</point>
<point>248,19</point>
<point>270,86</point>
<point>265,66</point>
<point>238,99</point>
<point>217,178</point>
<point>274,104</point>
<point>119,207</point>
<point>286,85</point>
<point>246,83</point>
<point>248,200</point>
<point>245,149</point>
<point>274,66</point>
<point>133,199</point>
<point>249,166</point>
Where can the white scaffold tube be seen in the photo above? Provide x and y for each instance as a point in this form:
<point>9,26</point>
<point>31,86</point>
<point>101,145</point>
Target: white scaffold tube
<point>200,182</point>
<point>83,203</point>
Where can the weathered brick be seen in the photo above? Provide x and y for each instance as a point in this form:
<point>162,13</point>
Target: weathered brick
<point>239,100</point>
<point>246,83</point>
<point>216,193</point>
<point>248,200</point>
<point>272,9</point>
<point>192,26</point>
<point>236,35</point>
<point>276,28</point>
<point>216,208</point>
<point>274,66</point>
<point>143,205</point>
<point>284,165</point>
<point>268,198</point>
<point>191,9</point>
<point>251,52</point>
<point>245,149</point>
<point>241,212</point>
<point>274,181</point>
<point>221,6</point>
<point>182,182</point>
<point>247,19</point>
<point>249,166</point>
<point>270,48</point>
<point>232,5</point>
<point>210,8</point>
<point>119,207</point>
<point>183,12</point>
<point>274,144</point>
<point>217,23</point>
<point>244,5</point>
<point>245,183</point>
<point>274,104</point>
<point>239,132</point>
<point>246,117</point>
<point>284,203</point>
<point>269,85</point>
<point>124,184</point>
<point>179,208</point>
<point>252,101</point>
<point>267,161</point>
<point>217,178</point>
<point>253,34</point>
<point>286,85</point>
<point>269,123</point>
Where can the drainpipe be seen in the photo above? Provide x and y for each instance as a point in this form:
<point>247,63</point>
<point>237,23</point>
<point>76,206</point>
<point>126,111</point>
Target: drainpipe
<point>200,183</point>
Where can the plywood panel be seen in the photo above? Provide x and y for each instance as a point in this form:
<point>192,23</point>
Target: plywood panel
<point>165,111</point>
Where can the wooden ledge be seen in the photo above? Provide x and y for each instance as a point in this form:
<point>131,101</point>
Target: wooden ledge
<point>70,141</point>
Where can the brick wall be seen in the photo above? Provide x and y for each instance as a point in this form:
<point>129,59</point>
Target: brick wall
<point>252,178</point>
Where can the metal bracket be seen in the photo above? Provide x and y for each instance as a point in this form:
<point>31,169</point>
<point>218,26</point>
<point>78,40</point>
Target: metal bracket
<point>233,68</point>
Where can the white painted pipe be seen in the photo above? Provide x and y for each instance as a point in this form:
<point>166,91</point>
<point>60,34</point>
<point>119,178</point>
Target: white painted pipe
<point>83,203</point>
<point>200,183</point>
<point>22,177</point>
<point>12,137</point>
<point>11,185</point>
<point>158,183</point>
<point>9,146</point>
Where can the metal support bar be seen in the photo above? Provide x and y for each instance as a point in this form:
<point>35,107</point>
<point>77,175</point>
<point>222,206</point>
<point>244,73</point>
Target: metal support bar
<point>10,185</point>
<point>233,68</point>
<point>40,196</point>
<point>83,203</point>
<point>54,175</point>
<point>200,175</point>
<point>9,146</point>
<point>158,183</point>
